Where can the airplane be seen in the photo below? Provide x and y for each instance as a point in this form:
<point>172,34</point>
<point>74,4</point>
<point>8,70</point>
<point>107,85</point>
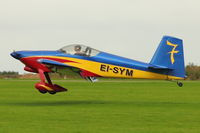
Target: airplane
<point>167,63</point>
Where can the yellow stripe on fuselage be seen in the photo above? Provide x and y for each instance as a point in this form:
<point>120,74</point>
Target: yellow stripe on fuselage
<point>108,70</point>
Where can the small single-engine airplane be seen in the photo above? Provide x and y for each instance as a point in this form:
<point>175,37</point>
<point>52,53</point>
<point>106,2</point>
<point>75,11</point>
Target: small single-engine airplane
<point>167,64</point>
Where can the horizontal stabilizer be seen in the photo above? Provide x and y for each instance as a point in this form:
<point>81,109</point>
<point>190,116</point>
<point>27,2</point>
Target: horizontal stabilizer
<point>159,67</point>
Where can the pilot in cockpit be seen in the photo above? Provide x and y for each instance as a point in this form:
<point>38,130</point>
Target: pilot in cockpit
<point>78,51</point>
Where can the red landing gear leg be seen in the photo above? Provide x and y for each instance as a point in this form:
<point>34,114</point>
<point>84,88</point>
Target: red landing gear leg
<point>47,87</point>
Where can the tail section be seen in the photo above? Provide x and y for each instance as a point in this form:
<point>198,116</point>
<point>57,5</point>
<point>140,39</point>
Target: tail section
<point>169,56</point>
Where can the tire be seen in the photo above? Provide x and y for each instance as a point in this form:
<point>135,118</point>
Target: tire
<point>52,92</point>
<point>43,92</point>
<point>180,84</point>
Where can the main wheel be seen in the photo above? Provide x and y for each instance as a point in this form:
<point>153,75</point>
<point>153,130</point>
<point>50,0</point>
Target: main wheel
<point>42,91</point>
<point>52,92</point>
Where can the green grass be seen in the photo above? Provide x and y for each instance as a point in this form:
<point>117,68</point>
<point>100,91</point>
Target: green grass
<point>132,106</point>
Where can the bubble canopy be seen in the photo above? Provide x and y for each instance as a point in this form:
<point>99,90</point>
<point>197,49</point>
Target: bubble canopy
<point>79,49</point>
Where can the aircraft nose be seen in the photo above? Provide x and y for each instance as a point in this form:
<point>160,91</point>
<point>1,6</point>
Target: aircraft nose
<point>16,55</point>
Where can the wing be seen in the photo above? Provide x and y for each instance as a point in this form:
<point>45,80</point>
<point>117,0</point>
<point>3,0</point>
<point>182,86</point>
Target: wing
<point>60,67</point>
<point>65,69</point>
<point>52,62</point>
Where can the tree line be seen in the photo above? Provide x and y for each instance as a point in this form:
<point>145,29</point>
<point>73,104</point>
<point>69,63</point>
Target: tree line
<point>193,71</point>
<point>9,74</point>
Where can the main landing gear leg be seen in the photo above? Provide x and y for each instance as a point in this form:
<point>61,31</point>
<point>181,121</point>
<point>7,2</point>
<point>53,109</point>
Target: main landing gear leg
<point>49,82</point>
<point>47,78</point>
<point>41,85</point>
<point>44,87</point>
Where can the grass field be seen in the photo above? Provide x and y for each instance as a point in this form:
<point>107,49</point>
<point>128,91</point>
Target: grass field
<point>122,106</point>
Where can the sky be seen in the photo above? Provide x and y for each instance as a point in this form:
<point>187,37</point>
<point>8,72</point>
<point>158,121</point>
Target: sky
<point>129,28</point>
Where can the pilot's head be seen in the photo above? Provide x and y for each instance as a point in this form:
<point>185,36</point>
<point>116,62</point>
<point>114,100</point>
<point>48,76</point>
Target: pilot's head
<point>77,48</point>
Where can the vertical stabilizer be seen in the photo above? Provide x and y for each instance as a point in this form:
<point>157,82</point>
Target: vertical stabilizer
<point>169,54</point>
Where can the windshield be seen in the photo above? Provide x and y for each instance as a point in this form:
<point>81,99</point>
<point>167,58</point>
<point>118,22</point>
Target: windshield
<point>81,50</point>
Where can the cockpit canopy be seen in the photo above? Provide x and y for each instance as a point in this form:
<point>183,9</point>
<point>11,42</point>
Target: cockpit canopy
<point>78,49</point>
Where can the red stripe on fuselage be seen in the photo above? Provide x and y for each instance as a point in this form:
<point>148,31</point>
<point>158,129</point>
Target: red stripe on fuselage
<point>33,63</point>
<point>51,58</point>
